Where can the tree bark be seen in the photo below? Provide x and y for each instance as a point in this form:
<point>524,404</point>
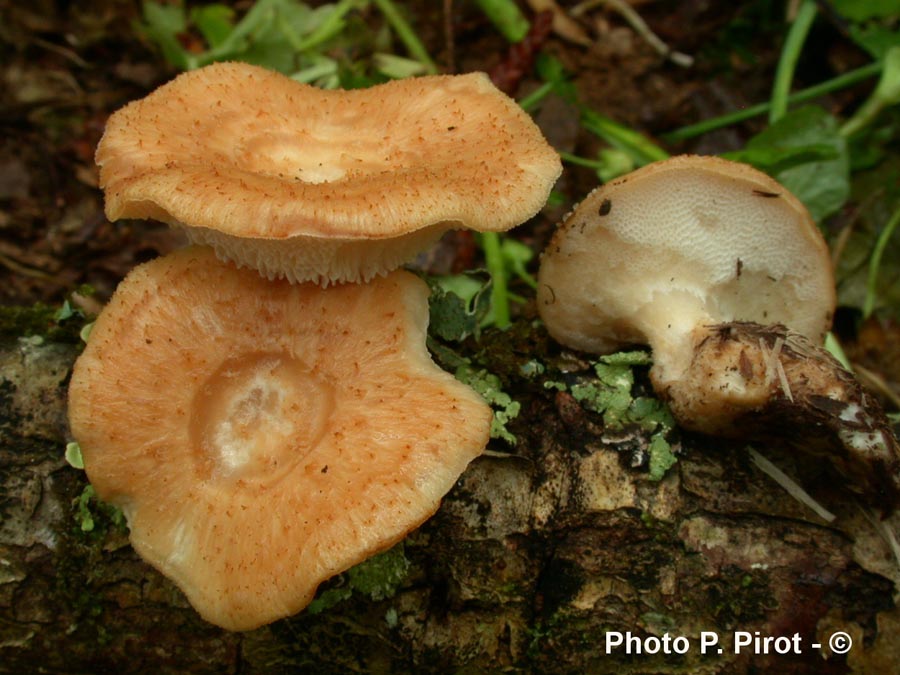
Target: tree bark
<point>537,558</point>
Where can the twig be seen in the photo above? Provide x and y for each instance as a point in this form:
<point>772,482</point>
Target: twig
<point>563,24</point>
<point>640,26</point>
<point>790,485</point>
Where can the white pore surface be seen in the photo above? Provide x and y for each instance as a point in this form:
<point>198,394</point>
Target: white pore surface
<point>645,260</point>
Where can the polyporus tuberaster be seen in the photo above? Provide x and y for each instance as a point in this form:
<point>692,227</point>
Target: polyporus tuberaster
<point>328,186</point>
<point>724,274</point>
<point>261,437</point>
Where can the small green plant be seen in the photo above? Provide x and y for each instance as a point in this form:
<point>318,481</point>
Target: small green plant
<point>289,36</point>
<point>89,511</point>
<point>459,305</point>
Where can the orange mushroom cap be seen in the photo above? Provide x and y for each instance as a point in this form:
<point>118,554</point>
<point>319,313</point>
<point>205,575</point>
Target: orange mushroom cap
<point>321,185</point>
<point>261,437</point>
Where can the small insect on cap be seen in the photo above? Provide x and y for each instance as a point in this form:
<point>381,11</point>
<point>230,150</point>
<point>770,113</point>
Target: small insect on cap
<point>309,184</point>
<point>678,244</point>
<point>261,437</point>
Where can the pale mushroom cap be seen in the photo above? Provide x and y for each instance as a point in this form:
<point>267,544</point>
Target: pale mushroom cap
<point>261,437</point>
<point>238,153</point>
<point>678,244</point>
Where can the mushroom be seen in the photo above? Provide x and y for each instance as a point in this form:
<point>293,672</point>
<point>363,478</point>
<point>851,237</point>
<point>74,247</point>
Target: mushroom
<point>722,272</point>
<point>328,186</point>
<point>261,437</point>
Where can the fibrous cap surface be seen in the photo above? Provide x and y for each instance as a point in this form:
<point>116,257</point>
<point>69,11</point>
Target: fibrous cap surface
<point>261,437</point>
<point>346,184</point>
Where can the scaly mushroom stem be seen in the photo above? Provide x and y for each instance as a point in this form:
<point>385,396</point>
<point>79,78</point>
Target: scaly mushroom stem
<point>748,379</point>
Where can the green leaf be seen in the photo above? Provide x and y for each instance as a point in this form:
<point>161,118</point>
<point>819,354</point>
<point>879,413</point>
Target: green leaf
<point>85,332</point>
<point>822,184</point>
<point>397,67</point>
<point>162,24</point>
<point>774,159</point>
<point>875,38</point>
<point>886,94</point>
<point>320,71</point>
<point>215,23</point>
<point>888,89</point>
<point>873,24</point>
<point>517,255</point>
<point>638,147</point>
<point>66,311</point>
<point>863,10</point>
<point>551,70</point>
<point>879,190</point>
<point>613,163</point>
<point>507,18</point>
<point>83,509</point>
<point>73,455</point>
<point>458,304</point>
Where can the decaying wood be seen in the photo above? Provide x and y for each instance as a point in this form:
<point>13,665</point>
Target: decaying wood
<point>534,557</point>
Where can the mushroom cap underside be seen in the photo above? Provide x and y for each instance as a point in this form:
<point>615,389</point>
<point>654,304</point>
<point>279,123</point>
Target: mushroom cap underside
<point>261,437</point>
<point>252,153</point>
<point>680,243</point>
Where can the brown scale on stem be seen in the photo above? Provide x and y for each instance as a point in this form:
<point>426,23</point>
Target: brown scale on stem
<point>760,382</point>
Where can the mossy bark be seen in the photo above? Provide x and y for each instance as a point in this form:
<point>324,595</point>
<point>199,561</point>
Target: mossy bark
<point>534,557</point>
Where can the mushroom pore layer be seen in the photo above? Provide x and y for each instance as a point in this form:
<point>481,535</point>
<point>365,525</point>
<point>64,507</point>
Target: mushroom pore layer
<point>656,255</point>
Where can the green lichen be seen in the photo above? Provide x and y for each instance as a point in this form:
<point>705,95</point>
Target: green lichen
<point>380,576</point>
<point>661,456</point>
<point>328,599</point>
<point>485,383</point>
<point>377,578</point>
<point>488,385</point>
<point>611,394</point>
